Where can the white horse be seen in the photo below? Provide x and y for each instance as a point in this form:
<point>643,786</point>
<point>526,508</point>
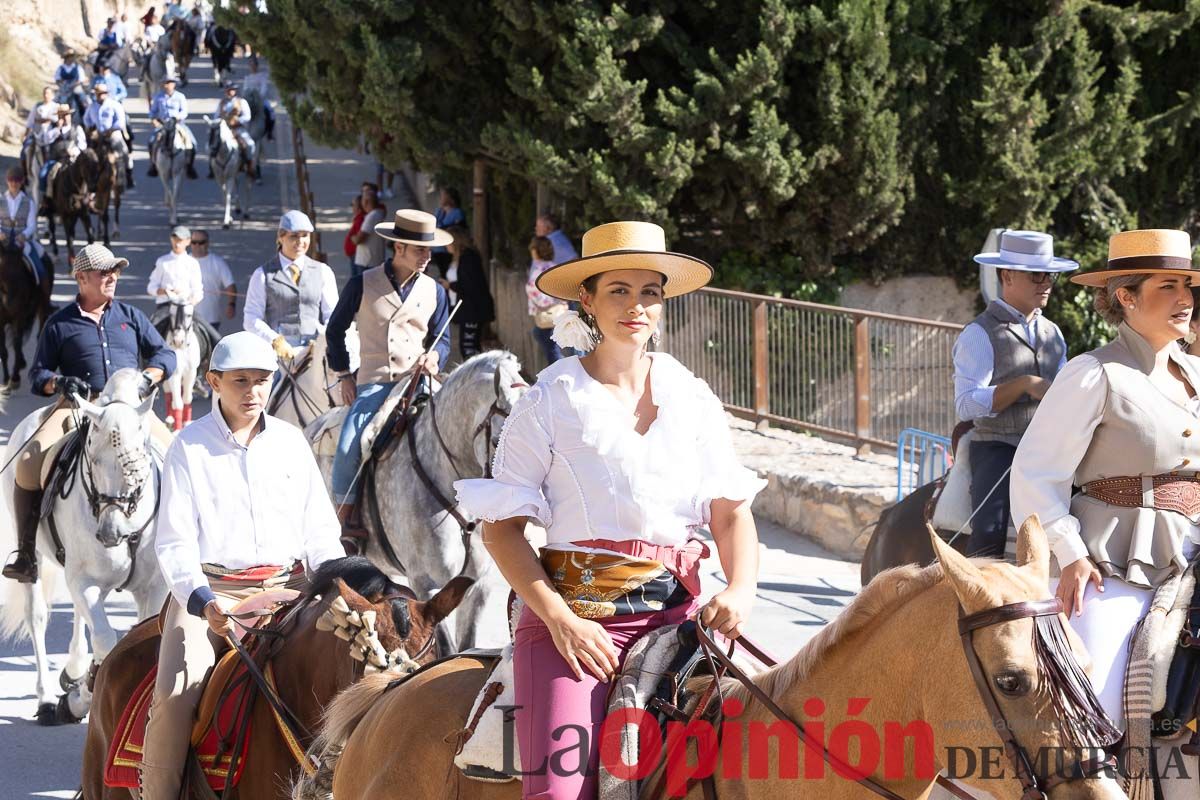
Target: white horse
<point>181,338</point>
<point>425,538</point>
<point>257,127</point>
<point>103,518</point>
<point>229,171</point>
<point>157,63</point>
<point>170,159</point>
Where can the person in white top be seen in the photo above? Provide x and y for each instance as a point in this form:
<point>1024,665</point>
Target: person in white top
<point>368,247</point>
<point>1121,423</point>
<point>41,116</point>
<point>177,278</point>
<point>236,113</point>
<point>620,454</point>
<point>220,292</point>
<point>243,503</point>
<point>256,81</point>
<point>290,297</point>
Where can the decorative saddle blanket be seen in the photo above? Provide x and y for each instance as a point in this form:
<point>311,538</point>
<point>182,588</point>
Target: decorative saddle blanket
<point>221,734</point>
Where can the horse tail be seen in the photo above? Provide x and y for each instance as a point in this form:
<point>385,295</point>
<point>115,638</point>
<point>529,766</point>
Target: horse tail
<point>340,719</point>
<point>14,607</point>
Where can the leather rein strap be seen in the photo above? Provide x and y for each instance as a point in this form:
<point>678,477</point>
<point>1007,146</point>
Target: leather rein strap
<point>721,664</point>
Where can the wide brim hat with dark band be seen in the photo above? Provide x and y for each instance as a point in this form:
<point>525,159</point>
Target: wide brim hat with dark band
<point>1148,252</point>
<point>414,227</point>
<point>625,245</point>
<point>1026,251</point>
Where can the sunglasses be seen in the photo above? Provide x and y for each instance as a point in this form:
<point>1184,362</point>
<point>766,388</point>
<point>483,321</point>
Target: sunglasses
<point>1037,278</point>
<point>199,242</point>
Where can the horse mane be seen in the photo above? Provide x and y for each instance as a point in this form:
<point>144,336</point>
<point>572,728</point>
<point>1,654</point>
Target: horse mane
<point>357,572</point>
<point>882,597</point>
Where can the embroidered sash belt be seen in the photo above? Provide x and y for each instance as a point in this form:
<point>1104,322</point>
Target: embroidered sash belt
<point>1170,492</point>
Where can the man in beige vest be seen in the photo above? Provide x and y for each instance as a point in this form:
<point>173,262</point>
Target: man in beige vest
<point>401,315</point>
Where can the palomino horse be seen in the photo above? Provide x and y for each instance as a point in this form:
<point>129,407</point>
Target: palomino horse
<point>170,159</point>
<point>109,187</point>
<point>183,45</point>
<point>181,338</point>
<point>893,660</point>
<point>74,194</point>
<point>310,664</point>
<point>100,525</point>
<point>231,170</point>
<point>407,498</point>
<point>21,302</point>
<point>221,43</point>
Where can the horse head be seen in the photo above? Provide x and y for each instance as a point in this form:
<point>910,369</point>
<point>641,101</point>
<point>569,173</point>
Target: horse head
<point>476,400</point>
<point>117,473</point>
<point>181,319</point>
<point>400,633</point>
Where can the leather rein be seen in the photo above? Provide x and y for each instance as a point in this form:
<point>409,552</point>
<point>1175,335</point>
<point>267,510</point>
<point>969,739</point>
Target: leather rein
<point>1033,787</point>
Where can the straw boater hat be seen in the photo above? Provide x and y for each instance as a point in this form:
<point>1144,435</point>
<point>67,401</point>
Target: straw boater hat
<point>63,110</point>
<point>1026,251</point>
<point>625,245</point>
<point>414,227</point>
<point>1148,252</point>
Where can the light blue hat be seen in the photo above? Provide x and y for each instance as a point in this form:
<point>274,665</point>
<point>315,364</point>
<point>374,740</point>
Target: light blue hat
<point>1027,251</point>
<point>295,222</point>
<point>243,350</point>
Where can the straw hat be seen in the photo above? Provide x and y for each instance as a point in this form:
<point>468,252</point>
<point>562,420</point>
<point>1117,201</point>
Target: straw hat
<point>1026,251</point>
<point>414,227</point>
<point>1148,252</point>
<point>625,245</point>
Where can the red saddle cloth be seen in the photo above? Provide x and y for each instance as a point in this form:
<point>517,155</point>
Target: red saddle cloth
<point>213,739</point>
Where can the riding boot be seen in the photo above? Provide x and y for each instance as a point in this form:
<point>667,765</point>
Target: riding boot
<point>354,534</point>
<point>128,178</point>
<point>191,164</point>
<point>153,171</point>
<point>27,505</point>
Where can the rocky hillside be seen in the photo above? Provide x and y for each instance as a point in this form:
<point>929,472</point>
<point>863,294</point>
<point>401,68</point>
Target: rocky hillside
<point>34,33</point>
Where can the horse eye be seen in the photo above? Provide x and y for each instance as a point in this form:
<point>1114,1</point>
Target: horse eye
<point>1013,684</point>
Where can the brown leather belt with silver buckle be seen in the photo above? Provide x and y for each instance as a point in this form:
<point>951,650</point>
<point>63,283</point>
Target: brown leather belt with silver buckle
<point>1171,492</point>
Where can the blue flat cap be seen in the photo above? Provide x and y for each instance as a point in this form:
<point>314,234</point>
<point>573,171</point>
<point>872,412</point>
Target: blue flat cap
<point>243,350</point>
<point>295,222</point>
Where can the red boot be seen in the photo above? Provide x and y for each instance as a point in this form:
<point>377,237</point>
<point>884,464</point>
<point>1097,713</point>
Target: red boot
<point>187,414</point>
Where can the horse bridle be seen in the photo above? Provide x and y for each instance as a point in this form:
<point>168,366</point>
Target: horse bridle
<point>1033,787</point>
<point>485,427</point>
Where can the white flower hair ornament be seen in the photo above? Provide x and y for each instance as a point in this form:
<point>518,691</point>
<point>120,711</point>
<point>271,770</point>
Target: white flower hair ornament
<point>570,330</point>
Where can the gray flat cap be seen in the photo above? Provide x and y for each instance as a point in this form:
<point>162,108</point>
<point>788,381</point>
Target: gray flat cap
<point>295,222</point>
<point>243,350</point>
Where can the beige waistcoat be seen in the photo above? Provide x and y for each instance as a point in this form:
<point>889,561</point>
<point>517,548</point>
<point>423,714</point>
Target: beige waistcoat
<point>392,333</point>
<point>1141,432</point>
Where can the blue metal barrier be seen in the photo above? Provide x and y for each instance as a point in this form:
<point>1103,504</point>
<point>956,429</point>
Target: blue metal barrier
<point>921,458</point>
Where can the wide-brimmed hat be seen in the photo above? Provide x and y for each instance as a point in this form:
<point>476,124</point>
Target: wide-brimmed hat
<point>63,110</point>
<point>97,257</point>
<point>414,227</point>
<point>1026,251</point>
<point>1148,252</point>
<point>100,86</point>
<point>625,245</point>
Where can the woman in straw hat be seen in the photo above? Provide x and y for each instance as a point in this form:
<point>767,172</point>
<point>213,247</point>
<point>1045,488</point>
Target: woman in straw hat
<point>621,454</point>
<point>1121,422</point>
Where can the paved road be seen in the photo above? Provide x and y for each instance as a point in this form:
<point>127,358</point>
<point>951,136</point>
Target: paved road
<point>801,586</point>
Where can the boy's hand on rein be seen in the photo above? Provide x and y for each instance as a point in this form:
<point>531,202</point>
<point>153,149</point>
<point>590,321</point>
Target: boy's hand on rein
<point>727,611</point>
<point>585,645</point>
<point>218,622</point>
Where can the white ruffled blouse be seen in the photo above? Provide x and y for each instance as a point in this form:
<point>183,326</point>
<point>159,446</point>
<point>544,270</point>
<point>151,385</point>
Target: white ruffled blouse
<point>570,458</point>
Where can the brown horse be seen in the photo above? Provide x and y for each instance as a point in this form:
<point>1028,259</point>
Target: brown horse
<point>21,302</point>
<point>183,46</point>
<point>311,666</point>
<point>74,194</point>
<point>892,659</point>
<point>109,187</point>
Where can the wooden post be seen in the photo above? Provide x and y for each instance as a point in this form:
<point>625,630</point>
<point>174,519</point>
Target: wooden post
<point>761,373</point>
<point>862,383</point>
<point>480,211</point>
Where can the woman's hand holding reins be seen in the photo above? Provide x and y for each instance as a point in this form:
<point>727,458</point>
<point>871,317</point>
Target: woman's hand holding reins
<point>1073,582</point>
<point>584,645</point>
<point>728,610</point>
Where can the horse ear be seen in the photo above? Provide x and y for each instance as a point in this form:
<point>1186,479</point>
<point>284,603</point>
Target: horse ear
<point>968,580</point>
<point>438,607</point>
<point>353,599</point>
<point>91,410</point>
<point>1033,549</point>
<point>147,405</point>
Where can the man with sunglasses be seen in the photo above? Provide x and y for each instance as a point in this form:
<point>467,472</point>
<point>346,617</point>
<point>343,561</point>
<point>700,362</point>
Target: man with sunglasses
<point>1004,362</point>
<point>80,346</point>
<point>220,292</point>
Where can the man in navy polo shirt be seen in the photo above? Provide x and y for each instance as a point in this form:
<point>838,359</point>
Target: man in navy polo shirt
<point>80,347</point>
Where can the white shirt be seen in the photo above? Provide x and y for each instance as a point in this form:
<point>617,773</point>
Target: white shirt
<point>452,277</point>
<point>241,507</point>
<point>41,114</point>
<point>1053,446</point>
<point>179,274</point>
<point>152,33</point>
<point>256,298</point>
<point>370,252</point>
<point>975,362</point>
<point>238,106</point>
<point>215,275</point>
<point>569,456</point>
<point>13,205</point>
